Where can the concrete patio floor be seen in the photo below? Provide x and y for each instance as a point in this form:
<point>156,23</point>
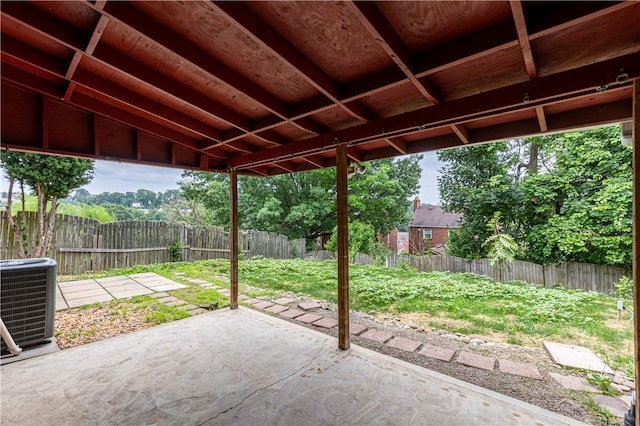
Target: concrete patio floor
<point>243,367</point>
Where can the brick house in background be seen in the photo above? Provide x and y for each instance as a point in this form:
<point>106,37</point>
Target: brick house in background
<point>430,227</point>
<point>396,241</point>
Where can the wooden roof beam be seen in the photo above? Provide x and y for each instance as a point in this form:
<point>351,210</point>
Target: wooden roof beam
<point>461,132</point>
<point>523,37</point>
<point>247,21</point>
<point>541,91</point>
<point>542,119</point>
<point>397,144</point>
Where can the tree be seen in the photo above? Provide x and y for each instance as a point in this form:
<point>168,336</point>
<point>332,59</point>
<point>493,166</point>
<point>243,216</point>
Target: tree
<point>302,205</point>
<point>50,178</point>
<point>476,181</point>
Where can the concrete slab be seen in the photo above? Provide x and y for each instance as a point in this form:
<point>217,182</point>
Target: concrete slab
<point>159,295</point>
<point>67,284</point>
<point>576,357</point>
<point>167,299</point>
<point>85,294</point>
<point>126,287</point>
<point>305,306</point>
<point>81,288</point>
<point>326,323</point>
<point>519,369</point>
<point>89,300</point>
<point>376,335</point>
<point>145,275</point>
<point>404,344</point>
<point>167,287</point>
<point>252,300</point>
<point>28,352</point>
<point>122,281</point>
<point>474,360</point>
<point>61,304</point>
<point>176,302</point>
<point>130,293</point>
<point>284,301</point>
<point>443,354</point>
<point>243,367</point>
<point>113,279</point>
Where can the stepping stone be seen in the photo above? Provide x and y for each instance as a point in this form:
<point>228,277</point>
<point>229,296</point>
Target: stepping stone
<point>176,302</point>
<point>308,318</point>
<point>443,354</point>
<point>197,311</point>
<point>189,307</point>
<point>242,297</point>
<point>89,300</point>
<point>404,344</point>
<point>276,309</point>
<point>477,361</point>
<point>519,369</point>
<point>573,382</point>
<point>284,301</point>
<point>252,301</point>
<point>356,329</point>
<point>85,294</point>
<point>167,299</point>
<point>376,335</point>
<point>326,322</point>
<point>225,292</point>
<point>291,313</point>
<point>305,306</point>
<point>159,295</point>
<point>576,357</point>
<point>264,304</point>
<point>167,287</point>
<point>614,405</point>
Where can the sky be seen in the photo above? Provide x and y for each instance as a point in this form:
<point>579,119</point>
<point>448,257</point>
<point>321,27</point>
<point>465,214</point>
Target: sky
<point>111,176</point>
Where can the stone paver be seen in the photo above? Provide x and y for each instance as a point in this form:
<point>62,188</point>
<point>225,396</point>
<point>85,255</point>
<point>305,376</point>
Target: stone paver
<point>89,300</point>
<point>276,309</point>
<point>82,288</point>
<point>117,279</point>
<point>145,275</point>
<point>225,291</point>
<point>477,361</point>
<point>167,299</point>
<point>159,295</point>
<point>61,304</point>
<point>242,297</point>
<point>264,304</point>
<point>117,283</point>
<point>614,405</point>
<point>188,307</point>
<point>176,302</point>
<point>326,322</point>
<point>404,344</point>
<point>576,357</point>
<point>443,354</point>
<point>519,369</point>
<point>126,287</point>
<point>68,284</point>
<point>291,313</point>
<point>308,318</point>
<point>130,293</point>
<point>197,311</point>
<point>376,335</point>
<point>573,382</point>
<point>167,287</point>
<point>356,329</point>
<point>284,301</point>
<point>252,301</point>
<point>85,294</point>
<point>305,306</point>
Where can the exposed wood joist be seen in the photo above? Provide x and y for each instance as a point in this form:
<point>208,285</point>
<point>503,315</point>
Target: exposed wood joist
<point>542,119</point>
<point>523,37</point>
<point>397,144</point>
<point>541,91</point>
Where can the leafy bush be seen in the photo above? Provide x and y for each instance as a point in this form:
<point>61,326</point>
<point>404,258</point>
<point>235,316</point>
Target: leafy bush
<point>175,252</point>
<point>624,288</point>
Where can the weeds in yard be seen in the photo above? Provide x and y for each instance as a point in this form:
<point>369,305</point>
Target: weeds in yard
<point>603,383</point>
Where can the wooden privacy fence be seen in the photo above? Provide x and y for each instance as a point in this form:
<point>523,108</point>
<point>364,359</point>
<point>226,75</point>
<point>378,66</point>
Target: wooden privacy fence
<point>82,245</point>
<point>583,276</point>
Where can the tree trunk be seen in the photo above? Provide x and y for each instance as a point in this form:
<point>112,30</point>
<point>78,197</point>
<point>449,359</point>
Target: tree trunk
<point>532,167</point>
<point>37,252</point>
<point>50,226</point>
<point>20,253</point>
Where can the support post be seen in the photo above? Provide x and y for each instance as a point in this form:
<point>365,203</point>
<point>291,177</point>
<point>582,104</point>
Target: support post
<point>343,247</point>
<point>233,239</point>
<point>636,236</point>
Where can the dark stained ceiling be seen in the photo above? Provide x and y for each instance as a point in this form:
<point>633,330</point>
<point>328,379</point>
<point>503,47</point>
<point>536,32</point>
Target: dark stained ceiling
<point>273,87</point>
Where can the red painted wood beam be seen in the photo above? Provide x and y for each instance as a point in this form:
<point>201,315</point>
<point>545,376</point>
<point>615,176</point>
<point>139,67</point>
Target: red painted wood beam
<point>398,144</point>
<point>542,119</point>
<point>540,91</point>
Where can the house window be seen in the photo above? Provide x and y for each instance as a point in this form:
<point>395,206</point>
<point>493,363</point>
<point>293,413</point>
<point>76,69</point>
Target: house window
<point>427,234</point>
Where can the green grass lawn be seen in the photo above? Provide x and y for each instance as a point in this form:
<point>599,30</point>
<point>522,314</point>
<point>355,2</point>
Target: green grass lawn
<point>513,312</point>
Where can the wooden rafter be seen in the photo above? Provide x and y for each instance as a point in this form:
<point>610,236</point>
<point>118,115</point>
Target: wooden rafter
<point>523,37</point>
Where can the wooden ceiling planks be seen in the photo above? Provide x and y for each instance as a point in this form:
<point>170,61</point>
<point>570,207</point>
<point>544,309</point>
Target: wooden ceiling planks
<point>273,87</point>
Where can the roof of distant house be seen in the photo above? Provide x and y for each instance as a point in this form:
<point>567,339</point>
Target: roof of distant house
<point>430,216</point>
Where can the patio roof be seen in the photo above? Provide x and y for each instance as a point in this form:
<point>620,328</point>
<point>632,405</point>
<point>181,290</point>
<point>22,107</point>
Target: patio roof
<point>273,87</point>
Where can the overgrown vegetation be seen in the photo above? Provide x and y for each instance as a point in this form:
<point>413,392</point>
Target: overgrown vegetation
<point>514,312</point>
